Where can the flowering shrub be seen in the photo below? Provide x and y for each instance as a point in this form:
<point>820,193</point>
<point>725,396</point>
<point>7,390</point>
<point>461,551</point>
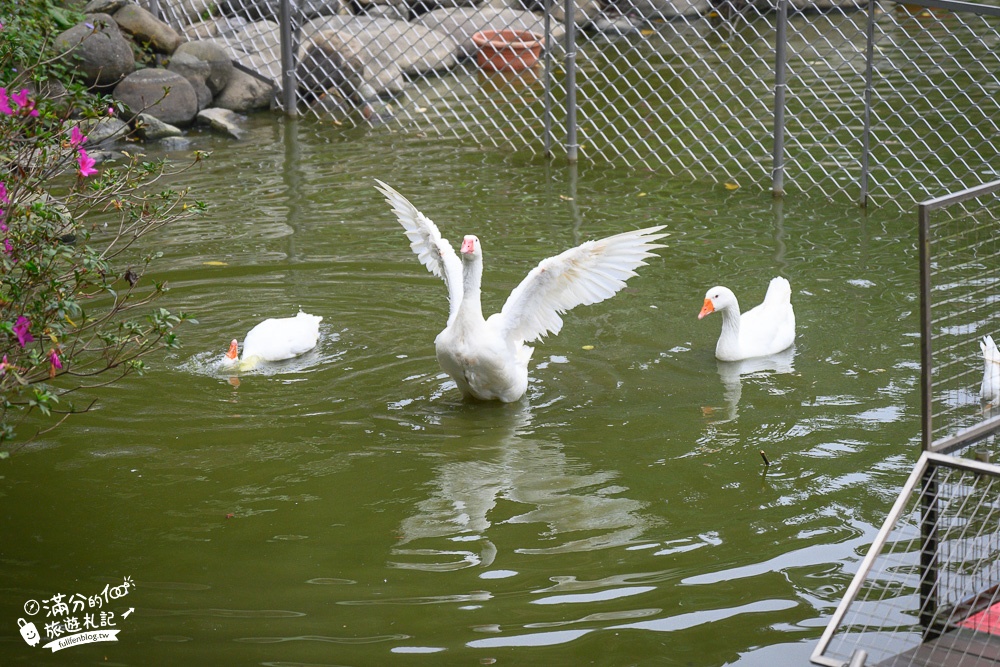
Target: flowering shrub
<point>72,275</point>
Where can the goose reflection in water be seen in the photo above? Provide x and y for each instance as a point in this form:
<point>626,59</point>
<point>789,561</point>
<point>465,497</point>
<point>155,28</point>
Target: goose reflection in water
<point>537,484</point>
<point>732,372</point>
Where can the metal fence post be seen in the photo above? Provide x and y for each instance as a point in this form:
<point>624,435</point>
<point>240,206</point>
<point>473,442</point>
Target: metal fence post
<point>867,128</point>
<point>547,64</point>
<point>571,145</point>
<point>780,60</point>
<point>289,83</point>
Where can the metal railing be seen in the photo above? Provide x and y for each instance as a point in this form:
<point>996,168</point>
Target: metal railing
<point>933,566</point>
<point>959,305</point>
<point>878,101</point>
<point>935,563</point>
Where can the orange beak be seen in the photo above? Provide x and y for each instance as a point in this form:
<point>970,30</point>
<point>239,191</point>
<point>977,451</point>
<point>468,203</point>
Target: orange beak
<point>707,309</point>
<point>234,350</point>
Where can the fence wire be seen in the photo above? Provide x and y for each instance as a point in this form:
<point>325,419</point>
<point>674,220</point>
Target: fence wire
<point>961,304</point>
<point>924,595</point>
<point>682,86</point>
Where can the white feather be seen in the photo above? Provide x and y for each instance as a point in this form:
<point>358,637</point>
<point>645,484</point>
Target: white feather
<point>989,391</point>
<point>432,250</point>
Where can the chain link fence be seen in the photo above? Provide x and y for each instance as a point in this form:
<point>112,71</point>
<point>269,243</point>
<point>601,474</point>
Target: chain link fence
<point>960,308</point>
<point>878,101</point>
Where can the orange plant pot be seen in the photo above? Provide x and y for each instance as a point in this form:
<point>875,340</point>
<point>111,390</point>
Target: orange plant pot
<point>507,49</point>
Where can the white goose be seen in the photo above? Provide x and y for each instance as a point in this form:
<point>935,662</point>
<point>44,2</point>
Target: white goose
<point>989,392</point>
<point>274,339</point>
<point>761,331</point>
<point>488,359</point>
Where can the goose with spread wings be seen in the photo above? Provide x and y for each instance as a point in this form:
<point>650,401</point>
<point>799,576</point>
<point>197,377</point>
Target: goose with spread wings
<point>488,358</point>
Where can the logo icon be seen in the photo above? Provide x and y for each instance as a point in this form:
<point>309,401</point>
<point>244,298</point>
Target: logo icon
<point>29,632</point>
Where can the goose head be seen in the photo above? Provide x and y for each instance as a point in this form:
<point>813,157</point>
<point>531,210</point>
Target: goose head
<point>718,298</point>
<point>471,249</point>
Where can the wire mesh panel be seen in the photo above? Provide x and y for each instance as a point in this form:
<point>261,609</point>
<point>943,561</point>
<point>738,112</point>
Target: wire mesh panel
<point>926,591</point>
<point>683,86</point>
<point>961,305</point>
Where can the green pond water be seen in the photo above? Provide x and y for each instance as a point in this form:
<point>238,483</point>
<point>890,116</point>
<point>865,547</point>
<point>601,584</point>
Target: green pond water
<point>348,508</point>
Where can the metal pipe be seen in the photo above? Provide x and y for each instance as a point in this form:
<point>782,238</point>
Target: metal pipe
<point>547,78</point>
<point>289,83</point>
<point>926,329</point>
<point>866,132</point>
<point>780,62</point>
<point>572,148</point>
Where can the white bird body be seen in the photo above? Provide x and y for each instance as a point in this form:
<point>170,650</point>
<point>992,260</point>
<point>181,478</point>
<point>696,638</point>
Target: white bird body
<point>761,331</point>
<point>989,392</point>
<point>488,358</point>
<point>275,339</point>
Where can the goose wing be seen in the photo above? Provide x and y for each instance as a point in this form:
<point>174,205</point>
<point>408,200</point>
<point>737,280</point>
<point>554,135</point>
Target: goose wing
<point>433,251</point>
<point>589,273</point>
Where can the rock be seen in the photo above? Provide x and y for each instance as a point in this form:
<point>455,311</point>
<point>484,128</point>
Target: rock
<point>268,10</point>
<point>98,50</point>
<point>196,71</point>
<point>413,48</point>
<point>175,143</point>
<point>330,62</point>
<point>462,23</point>
<point>103,132</point>
<point>216,27</point>
<point>104,6</point>
<point>146,28</point>
<point>245,92</point>
<point>221,120</point>
<point>161,93</point>
<point>660,9</point>
<point>220,65</point>
<point>186,11</point>
<point>151,128</point>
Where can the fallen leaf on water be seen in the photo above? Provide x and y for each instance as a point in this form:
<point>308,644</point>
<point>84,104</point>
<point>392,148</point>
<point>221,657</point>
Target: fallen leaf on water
<point>421,109</point>
<point>647,33</point>
<point>234,381</point>
<point>565,198</point>
<point>732,186</point>
<point>588,347</point>
<point>215,263</point>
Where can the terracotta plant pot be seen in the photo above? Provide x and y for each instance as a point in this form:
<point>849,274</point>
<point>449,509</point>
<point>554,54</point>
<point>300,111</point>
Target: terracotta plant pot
<point>508,49</point>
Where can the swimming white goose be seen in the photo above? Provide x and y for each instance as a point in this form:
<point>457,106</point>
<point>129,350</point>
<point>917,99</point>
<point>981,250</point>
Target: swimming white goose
<point>761,331</point>
<point>488,359</point>
<point>275,339</point>
<point>989,392</point>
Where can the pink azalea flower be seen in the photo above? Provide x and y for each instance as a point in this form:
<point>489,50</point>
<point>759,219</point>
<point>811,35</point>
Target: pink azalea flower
<point>21,327</point>
<point>21,98</point>
<point>86,164</point>
<point>76,137</point>
<point>3,193</point>
<point>5,103</point>
<point>111,111</point>
<point>8,247</point>
<point>4,365</point>
<point>54,359</point>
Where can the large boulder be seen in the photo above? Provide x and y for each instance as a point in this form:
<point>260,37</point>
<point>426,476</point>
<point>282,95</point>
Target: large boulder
<point>330,63</point>
<point>245,92</point>
<point>220,65</point>
<point>147,29</point>
<point>98,51</point>
<point>160,93</point>
<point>196,72</point>
<point>412,48</point>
